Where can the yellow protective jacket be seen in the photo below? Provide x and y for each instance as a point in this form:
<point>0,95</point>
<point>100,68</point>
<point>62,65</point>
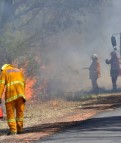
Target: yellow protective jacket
<point>12,79</point>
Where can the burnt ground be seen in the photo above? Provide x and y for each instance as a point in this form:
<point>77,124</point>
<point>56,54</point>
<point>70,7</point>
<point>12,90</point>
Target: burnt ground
<point>83,112</point>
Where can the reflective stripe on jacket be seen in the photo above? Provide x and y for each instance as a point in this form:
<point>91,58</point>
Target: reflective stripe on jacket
<point>12,79</point>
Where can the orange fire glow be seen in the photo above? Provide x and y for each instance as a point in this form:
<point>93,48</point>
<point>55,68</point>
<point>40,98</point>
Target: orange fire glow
<point>29,87</point>
<point>29,83</point>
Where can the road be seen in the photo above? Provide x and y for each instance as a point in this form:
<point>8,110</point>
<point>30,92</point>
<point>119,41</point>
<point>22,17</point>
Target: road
<point>103,128</point>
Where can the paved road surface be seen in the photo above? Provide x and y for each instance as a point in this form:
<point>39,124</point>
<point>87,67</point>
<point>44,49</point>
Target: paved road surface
<point>104,128</point>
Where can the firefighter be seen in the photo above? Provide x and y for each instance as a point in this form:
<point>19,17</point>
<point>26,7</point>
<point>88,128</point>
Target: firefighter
<point>115,69</point>
<point>94,73</point>
<point>12,82</point>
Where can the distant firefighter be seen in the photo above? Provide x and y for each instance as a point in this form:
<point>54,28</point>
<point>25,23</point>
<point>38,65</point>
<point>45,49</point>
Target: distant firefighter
<point>94,73</point>
<point>115,69</point>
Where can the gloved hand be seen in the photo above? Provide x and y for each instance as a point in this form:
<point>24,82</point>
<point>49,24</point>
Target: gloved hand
<point>0,101</point>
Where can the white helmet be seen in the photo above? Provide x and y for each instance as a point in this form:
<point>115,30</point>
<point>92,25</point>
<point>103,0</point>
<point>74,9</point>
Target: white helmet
<point>94,56</point>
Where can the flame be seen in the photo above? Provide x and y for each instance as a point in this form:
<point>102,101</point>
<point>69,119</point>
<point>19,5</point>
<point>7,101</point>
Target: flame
<point>30,92</point>
<point>29,87</point>
<point>29,83</point>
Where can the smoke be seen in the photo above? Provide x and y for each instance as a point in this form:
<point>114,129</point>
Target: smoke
<point>68,56</point>
<point>112,26</point>
<point>84,31</point>
<point>70,51</point>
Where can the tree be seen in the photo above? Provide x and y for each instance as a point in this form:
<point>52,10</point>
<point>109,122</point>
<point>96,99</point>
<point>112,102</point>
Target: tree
<point>26,24</point>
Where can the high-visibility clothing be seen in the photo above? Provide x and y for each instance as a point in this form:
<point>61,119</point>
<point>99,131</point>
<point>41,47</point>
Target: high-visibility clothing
<point>15,123</point>
<point>94,69</point>
<point>94,74</point>
<point>12,79</point>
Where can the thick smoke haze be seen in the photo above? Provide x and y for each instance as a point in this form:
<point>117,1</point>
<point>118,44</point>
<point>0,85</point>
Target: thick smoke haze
<point>59,37</point>
<point>71,50</point>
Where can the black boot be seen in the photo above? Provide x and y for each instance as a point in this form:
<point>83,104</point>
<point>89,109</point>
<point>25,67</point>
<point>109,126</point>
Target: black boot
<point>11,133</point>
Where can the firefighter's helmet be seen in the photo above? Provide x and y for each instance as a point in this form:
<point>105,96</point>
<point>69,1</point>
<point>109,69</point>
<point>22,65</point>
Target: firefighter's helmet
<point>4,66</point>
<point>94,56</point>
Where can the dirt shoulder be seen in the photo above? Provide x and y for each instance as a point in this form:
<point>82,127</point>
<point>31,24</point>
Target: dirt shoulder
<point>59,115</point>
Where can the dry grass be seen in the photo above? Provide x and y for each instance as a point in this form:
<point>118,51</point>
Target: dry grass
<point>38,112</point>
<point>47,112</point>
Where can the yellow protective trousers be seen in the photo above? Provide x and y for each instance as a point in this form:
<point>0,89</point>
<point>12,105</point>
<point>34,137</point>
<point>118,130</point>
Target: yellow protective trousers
<point>15,122</point>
